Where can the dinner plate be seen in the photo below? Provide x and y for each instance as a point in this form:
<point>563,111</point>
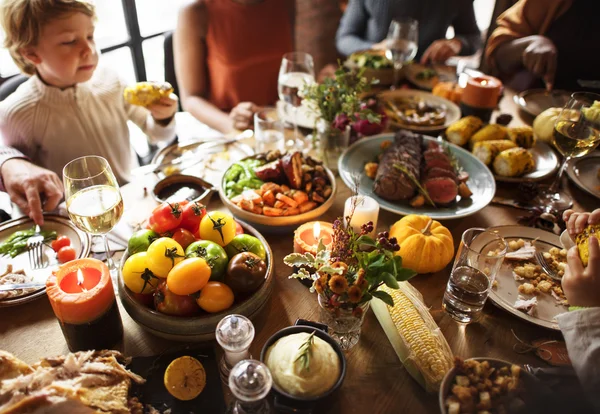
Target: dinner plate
<point>536,101</point>
<point>584,173</point>
<point>215,158</point>
<point>443,74</point>
<point>506,293</point>
<point>546,164</point>
<point>306,117</point>
<point>452,110</point>
<point>80,241</point>
<point>481,182</point>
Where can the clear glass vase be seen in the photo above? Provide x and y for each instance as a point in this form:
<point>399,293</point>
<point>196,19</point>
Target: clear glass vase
<point>344,321</point>
<point>331,143</point>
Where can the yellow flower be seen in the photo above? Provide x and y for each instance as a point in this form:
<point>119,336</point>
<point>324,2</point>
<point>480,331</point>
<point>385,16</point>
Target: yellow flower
<point>341,265</point>
<point>338,284</point>
<point>354,294</point>
<point>318,286</point>
<point>360,277</point>
<point>363,285</point>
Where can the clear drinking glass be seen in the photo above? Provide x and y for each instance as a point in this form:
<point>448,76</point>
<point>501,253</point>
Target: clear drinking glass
<point>268,131</point>
<point>94,201</point>
<point>477,262</point>
<point>402,44</point>
<point>297,69</point>
<point>576,133</point>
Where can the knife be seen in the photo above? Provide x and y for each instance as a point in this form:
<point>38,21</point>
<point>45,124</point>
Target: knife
<point>14,286</point>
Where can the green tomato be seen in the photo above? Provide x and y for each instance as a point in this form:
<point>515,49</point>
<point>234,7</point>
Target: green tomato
<point>141,240</point>
<point>214,255</point>
<point>245,243</point>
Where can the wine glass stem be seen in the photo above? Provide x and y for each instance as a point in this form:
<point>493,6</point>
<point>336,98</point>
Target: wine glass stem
<point>109,261</point>
<point>555,187</point>
<point>397,69</point>
<point>296,132</point>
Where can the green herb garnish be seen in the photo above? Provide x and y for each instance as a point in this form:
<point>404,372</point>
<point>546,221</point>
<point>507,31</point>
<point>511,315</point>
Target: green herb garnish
<point>412,178</point>
<point>306,351</point>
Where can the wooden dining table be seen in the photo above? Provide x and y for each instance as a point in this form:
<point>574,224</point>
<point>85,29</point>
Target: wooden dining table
<point>376,381</point>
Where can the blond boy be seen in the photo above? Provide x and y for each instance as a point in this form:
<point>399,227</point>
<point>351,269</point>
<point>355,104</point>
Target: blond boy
<point>68,108</point>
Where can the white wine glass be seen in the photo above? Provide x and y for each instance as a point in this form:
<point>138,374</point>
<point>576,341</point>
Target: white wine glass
<point>576,133</point>
<point>297,70</point>
<point>402,44</point>
<point>94,202</point>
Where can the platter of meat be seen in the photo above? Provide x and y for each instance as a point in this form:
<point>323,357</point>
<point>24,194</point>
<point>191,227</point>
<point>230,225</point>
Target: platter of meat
<point>408,173</point>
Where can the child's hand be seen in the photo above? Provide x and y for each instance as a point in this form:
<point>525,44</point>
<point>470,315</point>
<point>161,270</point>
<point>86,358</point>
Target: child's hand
<point>577,222</point>
<point>582,284</point>
<point>164,108</point>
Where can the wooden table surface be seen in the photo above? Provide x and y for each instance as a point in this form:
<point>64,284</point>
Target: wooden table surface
<point>376,381</point>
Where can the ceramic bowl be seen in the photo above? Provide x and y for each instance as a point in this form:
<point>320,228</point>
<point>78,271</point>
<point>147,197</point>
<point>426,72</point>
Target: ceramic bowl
<point>179,186</point>
<point>285,401</point>
<point>266,224</point>
<point>196,328</point>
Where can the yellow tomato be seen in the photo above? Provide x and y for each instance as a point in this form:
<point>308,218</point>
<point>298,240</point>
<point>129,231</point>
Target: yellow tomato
<point>163,254</point>
<point>188,276</point>
<point>136,275</point>
<point>217,227</point>
<point>215,297</point>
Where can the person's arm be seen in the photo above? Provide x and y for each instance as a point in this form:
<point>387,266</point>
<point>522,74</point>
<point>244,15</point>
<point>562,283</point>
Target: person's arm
<point>466,30</point>
<point>350,34</point>
<point>189,48</point>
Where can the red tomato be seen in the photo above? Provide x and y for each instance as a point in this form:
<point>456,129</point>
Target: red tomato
<point>66,254</point>
<point>238,228</point>
<point>183,237</point>
<point>165,217</point>
<point>61,241</point>
<point>192,215</point>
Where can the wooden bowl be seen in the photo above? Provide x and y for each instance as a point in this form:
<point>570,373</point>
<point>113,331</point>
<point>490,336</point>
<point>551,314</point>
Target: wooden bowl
<point>266,224</point>
<point>196,328</point>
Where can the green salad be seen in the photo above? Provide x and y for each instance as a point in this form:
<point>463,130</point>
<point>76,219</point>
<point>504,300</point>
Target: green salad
<point>371,59</point>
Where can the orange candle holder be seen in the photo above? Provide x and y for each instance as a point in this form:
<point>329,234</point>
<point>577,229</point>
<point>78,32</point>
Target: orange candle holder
<point>480,96</point>
<point>83,299</point>
<point>307,236</point>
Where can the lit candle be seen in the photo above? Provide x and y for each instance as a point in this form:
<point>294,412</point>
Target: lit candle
<point>307,236</point>
<point>363,209</point>
<point>481,96</point>
<point>83,299</point>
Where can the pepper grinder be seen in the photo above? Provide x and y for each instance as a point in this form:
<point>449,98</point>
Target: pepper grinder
<point>250,382</point>
<point>235,334</point>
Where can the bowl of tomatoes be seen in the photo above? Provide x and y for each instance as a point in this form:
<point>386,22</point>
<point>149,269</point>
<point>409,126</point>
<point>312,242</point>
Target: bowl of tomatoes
<point>180,276</point>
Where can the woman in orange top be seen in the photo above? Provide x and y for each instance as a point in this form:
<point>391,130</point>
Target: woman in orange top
<point>227,57</point>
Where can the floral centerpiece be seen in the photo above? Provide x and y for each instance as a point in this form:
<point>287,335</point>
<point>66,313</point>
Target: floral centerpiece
<point>347,276</point>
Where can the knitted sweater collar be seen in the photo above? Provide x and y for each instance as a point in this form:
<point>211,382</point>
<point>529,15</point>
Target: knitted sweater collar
<point>54,95</point>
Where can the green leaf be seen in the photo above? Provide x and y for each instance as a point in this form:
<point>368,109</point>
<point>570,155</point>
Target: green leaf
<point>366,297</point>
<point>377,264</point>
<point>404,274</point>
<point>398,261</point>
<point>386,298</point>
<point>297,259</point>
<point>389,280</point>
<point>321,246</point>
<point>366,241</point>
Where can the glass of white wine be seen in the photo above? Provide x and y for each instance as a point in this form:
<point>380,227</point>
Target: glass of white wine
<point>94,201</point>
<point>297,70</point>
<point>402,43</point>
<point>576,133</point>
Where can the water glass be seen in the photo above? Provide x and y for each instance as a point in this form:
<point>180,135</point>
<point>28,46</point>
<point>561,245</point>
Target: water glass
<point>402,44</point>
<point>479,257</point>
<point>268,131</point>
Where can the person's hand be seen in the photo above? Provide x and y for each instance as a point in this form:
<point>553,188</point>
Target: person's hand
<point>31,187</point>
<point>328,71</point>
<point>577,222</point>
<point>164,108</point>
<point>441,50</point>
<point>242,115</point>
<point>539,58</point>
<point>383,45</point>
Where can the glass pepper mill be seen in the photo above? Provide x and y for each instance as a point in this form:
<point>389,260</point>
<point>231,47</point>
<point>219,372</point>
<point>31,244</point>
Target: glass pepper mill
<point>235,334</point>
<point>250,382</point>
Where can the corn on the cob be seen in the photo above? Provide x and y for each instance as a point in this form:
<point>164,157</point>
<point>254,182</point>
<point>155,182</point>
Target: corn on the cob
<point>146,93</point>
<point>486,151</point>
<point>462,130</point>
<point>522,136</point>
<point>491,132</point>
<point>582,241</point>
<point>414,335</point>
<point>513,162</point>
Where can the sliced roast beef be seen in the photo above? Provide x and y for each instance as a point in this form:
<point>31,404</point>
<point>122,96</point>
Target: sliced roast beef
<point>438,163</point>
<point>442,190</point>
<point>439,172</point>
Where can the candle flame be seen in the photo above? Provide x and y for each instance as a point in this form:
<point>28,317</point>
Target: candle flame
<point>80,280</point>
<point>317,230</point>
<point>484,82</point>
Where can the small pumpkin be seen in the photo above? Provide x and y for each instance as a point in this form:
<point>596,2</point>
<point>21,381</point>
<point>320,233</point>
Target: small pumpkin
<point>543,124</point>
<point>425,245</point>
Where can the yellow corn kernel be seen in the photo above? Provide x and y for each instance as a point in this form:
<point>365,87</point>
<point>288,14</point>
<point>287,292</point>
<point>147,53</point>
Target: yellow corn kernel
<point>146,93</point>
<point>462,130</point>
<point>490,132</point>
<point>486,151</point>
<point>513,162</point>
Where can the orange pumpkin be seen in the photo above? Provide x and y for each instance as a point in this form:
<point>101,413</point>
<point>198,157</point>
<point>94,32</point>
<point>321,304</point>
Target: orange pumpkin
<point>425,245</point>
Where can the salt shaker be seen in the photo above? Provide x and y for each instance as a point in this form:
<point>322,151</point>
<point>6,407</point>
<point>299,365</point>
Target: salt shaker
<point>235,334</point>
<point>250,382</point>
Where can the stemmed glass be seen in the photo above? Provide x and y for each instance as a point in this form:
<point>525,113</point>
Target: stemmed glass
<point>94,201</point>
<point>297,70</point>
<point>576,133</point>
<point>401,44</point>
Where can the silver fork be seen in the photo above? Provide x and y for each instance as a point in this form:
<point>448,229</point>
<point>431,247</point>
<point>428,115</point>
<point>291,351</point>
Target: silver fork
<point>546,267</point>
<point>35,249</point>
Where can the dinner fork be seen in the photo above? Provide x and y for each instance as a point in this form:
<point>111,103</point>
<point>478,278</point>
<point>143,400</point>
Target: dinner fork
<point>35,246</point>
<point>546,267</point>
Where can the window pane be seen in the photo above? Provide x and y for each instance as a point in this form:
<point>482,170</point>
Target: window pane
<point>157,16</point>
<point>110,28</point>
<point>7,65</point>
<point>120,59</point>
<point>154,56</point>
